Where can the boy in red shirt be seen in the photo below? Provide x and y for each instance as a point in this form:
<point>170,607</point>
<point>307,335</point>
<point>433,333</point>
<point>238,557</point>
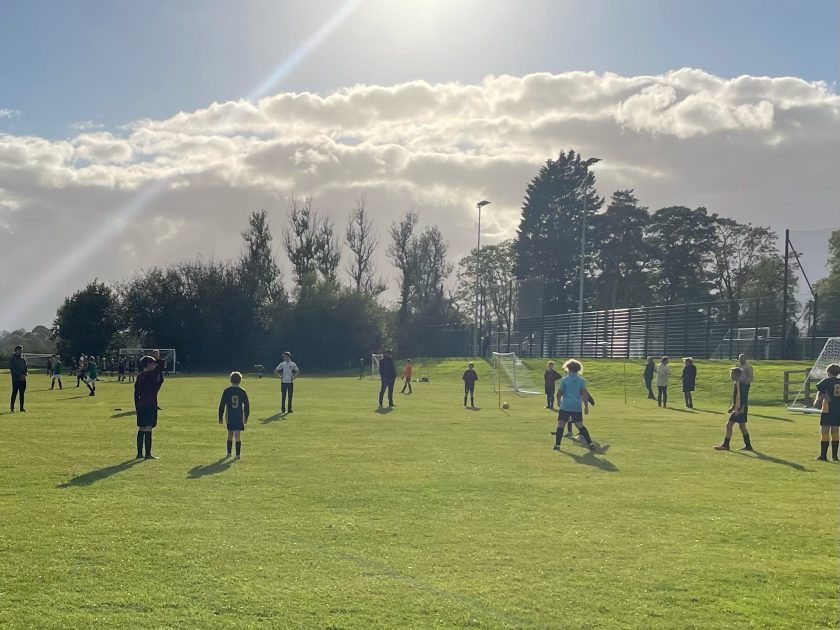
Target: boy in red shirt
<point>145,401</point>
<point>406,376</point>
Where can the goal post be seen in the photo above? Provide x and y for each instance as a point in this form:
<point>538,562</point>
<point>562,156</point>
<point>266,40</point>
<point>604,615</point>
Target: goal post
<point>374,364</point>
<point>167,354</point>
<point>36,359</point>
<point>829,354</point>
<point>510,374</point>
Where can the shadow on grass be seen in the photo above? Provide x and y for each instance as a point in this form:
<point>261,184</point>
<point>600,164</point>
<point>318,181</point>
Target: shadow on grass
<point>590,459</point>
<point>681,410</point>
<point>77,397</point>
<point>277,416</point>
<point>473,408</point>
<point>97,475</point>
<point>760,415</point>
<point>774,460</point>
<point>124,414</point>
<point>706,410</point>
<point>384,410</point>
<point>210,469</point>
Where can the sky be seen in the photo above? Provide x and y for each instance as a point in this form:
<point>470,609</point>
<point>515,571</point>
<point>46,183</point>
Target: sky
<point>134,134</point>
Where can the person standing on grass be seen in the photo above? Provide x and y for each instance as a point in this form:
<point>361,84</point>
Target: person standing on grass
<point>737,414</point>
<point>92,373</point>
<point>132,368</point>
<point>287,370</point>
<point>828,401</point>
<point>234,404</point>
<point>650,370</point>
<point>387,377</point>
<point>121,370</point>
<point>80,369</point>
<point>361,368</point>
<point>551,377</point>
<point>663,373</point>
<point>573,402</point>
<point>746,380</point>
<point>19,370</point>
<point>56,373</point>
<point>145,401</point>
<point>469,377</point>
<point>49,366</point>
<point>406,376</point>
<point>689,379</point>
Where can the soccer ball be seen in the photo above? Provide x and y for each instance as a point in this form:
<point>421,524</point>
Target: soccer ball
<point>505,405</point>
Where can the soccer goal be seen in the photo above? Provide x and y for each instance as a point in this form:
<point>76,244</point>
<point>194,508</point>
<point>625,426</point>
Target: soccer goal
<point>36,360</point>
<point>830,354</point>
<point>750,340</point>
<point>510,374</point>
<point>167,354</point>
<point>374,364</point>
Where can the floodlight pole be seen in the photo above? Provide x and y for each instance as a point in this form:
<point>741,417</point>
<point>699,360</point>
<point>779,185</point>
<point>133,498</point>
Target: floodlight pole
<point>476,347</point>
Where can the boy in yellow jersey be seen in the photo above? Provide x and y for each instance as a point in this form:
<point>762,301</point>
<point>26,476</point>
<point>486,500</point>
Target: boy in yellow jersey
<point>828,400</point>
<point>234,404</point>
<point>737,414</point>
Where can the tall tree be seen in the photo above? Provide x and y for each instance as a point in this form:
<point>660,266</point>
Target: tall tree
<point>362,241</point>
<point>300,239</point>
<point>552,214</point>
<point>400,253</point>
<point>87,320</point>
<point>327,249</point>
<point>431,269</point>
<point>492,271</point>
<point>621,253</point>
<point>738,249</point>
<point>259,267</point>
<point>682,241</point>
<point>828,291</point>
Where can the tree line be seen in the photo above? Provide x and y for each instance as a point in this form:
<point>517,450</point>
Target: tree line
<point>225,313</point>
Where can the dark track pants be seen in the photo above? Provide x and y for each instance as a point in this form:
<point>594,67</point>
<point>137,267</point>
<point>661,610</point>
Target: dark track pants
<point>387,383</point>
<point>286,389</point>
<point>18,386</point>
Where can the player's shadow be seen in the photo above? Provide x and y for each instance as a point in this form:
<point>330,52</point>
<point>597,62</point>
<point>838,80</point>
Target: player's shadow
<point>277,416</point>
<point>473,408</point>
<point>759,415</point>
<point>82,396</point>
<point>682,410</point>
<point>384,410</point>
<point>774,460</point>
<point>210,469</point>
<point>590,459</point>
<point>124,414</point>
<point>706,410</point>
<point>97,475</point>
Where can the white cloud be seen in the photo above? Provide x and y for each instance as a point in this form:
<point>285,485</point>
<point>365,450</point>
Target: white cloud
<point>9,113</point>
<point>85,125</point>
<point>755,148</point>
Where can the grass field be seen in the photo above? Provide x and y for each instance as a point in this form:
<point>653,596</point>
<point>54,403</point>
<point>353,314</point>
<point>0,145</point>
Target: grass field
<point>428,516</point>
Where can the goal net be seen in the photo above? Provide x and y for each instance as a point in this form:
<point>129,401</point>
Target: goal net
<point>167,354</point>
<point>374,364</point>
<point>830,354</point>
<point>510,374</point>
<point>36,360</point>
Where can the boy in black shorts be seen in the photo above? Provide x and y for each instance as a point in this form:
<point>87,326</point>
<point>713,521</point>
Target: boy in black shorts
<point>145,401</point>
<point>737,414</point>
<point>131,369</point>
<point>469,377</point>
<point>828,400</point>
<point>234,404</point>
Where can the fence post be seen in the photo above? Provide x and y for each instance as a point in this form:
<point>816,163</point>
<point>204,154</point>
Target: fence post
<point>685,331</point>
<point>708,328</point>
<point>612,331</point>
<point>733,321</point>
<point>581,335</point>
<point>510,312</point>
<point>814,326</point>
<point>755,327</point>
<point>629,332</point>
<point>568,333</point>
<point>542,320</point>
<point>647,330</point>
<point>665,340</point>
<point>783,352</point>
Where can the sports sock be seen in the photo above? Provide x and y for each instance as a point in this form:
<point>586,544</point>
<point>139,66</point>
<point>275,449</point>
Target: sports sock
<point>747,440</point>
<point>726,442</point>
<point>148,443</point>
<point>238,448</point>
<point>823,449</point>
<point>585,433</point>
<point>229,446</point>
<point>558,435</point>
<point>465,402</point>
<point>835,444</point>
<point>140,442</point>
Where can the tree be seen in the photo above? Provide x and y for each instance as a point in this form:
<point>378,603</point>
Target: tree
<point>682,241</point>
<point>738,249</point>
<point>399,251</point>
<point>362,242</point>
<point>494,266</point>
<point>86,321</point>
<point>327,250</point>
<point>551,223</point>
<point>300,239</point>
<point>828,291</point>
<point>621,253</point>
<point>259,267</point>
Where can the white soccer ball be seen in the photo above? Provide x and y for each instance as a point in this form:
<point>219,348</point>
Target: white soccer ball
<point>505,405</point>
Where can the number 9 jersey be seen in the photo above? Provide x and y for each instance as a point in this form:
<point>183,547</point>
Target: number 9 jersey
<point>234,404</point>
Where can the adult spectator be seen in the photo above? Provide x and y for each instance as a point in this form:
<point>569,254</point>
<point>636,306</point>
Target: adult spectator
<point>388,376</point>
<point>19,370</point>
<point>650,369</point>
<point>287,370</point>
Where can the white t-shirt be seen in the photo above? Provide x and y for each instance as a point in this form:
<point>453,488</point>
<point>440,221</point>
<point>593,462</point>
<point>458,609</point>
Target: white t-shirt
<point>663,372</point>
<point>287,370</point>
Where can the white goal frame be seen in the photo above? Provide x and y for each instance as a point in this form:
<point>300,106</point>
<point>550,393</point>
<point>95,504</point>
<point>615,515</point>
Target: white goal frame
<point>828,355</point>
<point>374,363</point>
<point>37,356</point>
<point>167,354</point>
<point>517,376</point>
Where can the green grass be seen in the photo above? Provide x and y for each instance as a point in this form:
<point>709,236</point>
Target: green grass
<point>429,516</point>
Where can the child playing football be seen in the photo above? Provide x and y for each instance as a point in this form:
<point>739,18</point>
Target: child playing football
<point>469,377</point>
<point>145,401</point>
<point>828,400</point>
<point>234,404</point>
<point>574,403</point>
<point>737,414</point>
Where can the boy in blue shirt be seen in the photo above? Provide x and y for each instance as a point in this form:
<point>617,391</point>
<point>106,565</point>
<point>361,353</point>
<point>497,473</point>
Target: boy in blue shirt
<point>574,403</point>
